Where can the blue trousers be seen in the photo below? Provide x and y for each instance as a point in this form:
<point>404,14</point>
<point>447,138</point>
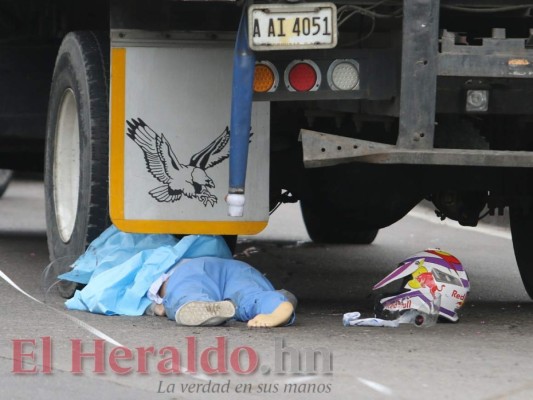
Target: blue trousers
<point>217,279</point>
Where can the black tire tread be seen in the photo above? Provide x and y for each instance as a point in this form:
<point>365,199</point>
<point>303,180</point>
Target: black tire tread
<point>5,179</point>
<point>84,56</point>
<point>333,227</point>
<point>521,228</point>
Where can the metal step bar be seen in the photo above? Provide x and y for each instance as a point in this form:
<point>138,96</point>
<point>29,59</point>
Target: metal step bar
<point>323,150</point>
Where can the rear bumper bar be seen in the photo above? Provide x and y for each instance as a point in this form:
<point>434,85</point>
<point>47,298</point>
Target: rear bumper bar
<point>323,150</point>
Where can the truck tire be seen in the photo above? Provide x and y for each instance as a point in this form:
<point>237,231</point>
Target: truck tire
<point>521,229</point>
<point>76,157</point>
<point>331,226</point>
<point>5,179</point>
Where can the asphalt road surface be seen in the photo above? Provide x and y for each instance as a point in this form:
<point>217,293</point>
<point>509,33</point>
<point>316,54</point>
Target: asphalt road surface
<point>487,355</point>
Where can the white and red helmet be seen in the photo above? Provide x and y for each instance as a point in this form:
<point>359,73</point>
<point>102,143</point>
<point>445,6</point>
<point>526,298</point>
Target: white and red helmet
<point>429,277</point>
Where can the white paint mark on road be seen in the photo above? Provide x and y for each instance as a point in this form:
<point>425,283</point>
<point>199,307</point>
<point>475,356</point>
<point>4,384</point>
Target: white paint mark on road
<point>77,321</point>
<point>378,387</point>
<point>201,377</point>
<point>301,379</point>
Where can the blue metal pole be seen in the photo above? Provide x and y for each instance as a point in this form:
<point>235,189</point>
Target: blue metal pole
<point>241,117</point>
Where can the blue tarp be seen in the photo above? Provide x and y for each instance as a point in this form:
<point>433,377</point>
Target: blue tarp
<point>119,268</point>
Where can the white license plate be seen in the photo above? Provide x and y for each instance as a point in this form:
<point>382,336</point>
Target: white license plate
<point>292,26</point>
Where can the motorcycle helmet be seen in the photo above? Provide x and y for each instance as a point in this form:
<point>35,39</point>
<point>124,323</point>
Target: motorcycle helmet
<point>430,280</point>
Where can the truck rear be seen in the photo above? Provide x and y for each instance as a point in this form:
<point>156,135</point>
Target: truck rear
<point>361,109</point>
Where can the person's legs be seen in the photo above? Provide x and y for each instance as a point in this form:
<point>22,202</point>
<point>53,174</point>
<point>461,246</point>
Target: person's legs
<point>192,295</point>
<point>257,302</point>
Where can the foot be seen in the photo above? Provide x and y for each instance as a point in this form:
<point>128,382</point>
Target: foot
<point>280,316</point>
<point>205,313</point>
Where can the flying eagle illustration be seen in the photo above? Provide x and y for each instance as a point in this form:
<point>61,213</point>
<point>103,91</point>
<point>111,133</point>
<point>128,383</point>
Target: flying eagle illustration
<point>189,180</point>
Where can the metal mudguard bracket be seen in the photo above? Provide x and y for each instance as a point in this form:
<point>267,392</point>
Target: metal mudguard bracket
<point>420,45</point>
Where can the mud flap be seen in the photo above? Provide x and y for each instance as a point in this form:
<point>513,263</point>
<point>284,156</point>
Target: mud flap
<point>169,140</point>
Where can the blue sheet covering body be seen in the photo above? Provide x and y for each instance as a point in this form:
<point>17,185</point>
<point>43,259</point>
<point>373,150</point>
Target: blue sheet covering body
<point>118,268</point>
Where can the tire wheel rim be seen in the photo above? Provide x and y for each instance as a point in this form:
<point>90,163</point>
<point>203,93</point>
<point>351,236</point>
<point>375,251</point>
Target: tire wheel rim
<point>67,165</point>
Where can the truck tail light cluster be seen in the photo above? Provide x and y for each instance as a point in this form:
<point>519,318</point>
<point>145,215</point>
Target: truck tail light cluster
<point>306,76</point>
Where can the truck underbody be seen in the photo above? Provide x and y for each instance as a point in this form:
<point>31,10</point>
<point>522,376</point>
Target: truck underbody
<point>442,109</point>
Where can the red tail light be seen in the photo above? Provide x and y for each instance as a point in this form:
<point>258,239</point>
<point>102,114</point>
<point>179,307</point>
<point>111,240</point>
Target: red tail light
<point>302,76</point>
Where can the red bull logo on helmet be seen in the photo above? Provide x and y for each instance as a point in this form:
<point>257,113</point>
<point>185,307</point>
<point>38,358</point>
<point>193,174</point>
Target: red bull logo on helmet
<point>399,304</point>
<point>422,278</point>
<point>458,296</point>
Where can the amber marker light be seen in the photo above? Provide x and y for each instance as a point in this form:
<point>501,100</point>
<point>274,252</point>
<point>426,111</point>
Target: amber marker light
<point>265,77</point>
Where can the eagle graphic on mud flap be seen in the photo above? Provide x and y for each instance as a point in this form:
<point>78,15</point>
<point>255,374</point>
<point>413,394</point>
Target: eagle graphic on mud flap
<point>189,180</point>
